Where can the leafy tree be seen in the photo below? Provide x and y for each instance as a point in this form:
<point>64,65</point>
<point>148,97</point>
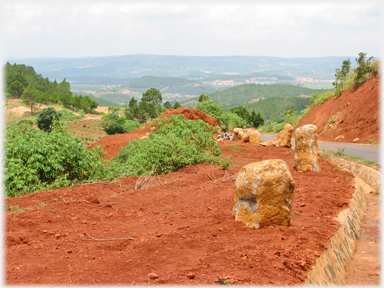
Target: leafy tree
<point>241,112</point>
<point>167,105</point>
<point>203,97</point>
<point>140,112</point>
<point>256,120</point>
<point>16,88</point>
<point>211,108</point>
<point>290,116</point>
<point>363,70</point>
<point>152,96</point>
<point>46,117</point>
<point>176,105</point>
<point>341,76</point>
<point>30,96</point>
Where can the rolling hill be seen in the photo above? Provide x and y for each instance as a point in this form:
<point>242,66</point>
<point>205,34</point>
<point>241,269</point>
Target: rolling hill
<point>247,93</point>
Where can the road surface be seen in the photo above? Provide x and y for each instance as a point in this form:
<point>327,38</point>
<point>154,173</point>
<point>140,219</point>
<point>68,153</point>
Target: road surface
<point>368,152</point>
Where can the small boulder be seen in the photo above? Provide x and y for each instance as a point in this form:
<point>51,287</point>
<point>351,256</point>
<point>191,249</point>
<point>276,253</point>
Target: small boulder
<point>338,138</point>
<point>153,276</point>
<point>306,149</point>
<point>240,134</point>
<point>264,193</point>
<point>355,140</point>
<point>267,143</point>
<point>252,136</point>
<point>283,138</point>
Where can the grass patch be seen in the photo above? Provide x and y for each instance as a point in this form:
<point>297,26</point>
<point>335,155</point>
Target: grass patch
<point>16,208</point>
<point>326,154</point>
<point>234,147</point>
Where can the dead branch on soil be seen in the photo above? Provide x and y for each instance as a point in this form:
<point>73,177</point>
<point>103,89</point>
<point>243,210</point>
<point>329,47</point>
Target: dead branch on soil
<point>145,182</point>
<point>111,239</point>
<point>110,179</point>
<point>225,179</point>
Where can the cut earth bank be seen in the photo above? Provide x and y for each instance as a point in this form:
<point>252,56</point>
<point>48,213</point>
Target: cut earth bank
<point>180,227</point>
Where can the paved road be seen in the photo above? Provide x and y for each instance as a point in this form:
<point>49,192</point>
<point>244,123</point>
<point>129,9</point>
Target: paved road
<point>369,152</point>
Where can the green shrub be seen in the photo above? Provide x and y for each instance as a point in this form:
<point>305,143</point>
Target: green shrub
<point>36,160</point>
<point>278,127</point>
<point>210,107</point>
<point>113,124</point>
<point>175,143</point>
<point>229,121</point>
<point>46,117</point>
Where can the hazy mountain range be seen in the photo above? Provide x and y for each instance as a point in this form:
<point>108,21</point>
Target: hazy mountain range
<point>130,67</point>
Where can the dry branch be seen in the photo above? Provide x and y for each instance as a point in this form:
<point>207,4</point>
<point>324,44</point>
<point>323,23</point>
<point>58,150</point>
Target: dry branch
<point>111,239</point>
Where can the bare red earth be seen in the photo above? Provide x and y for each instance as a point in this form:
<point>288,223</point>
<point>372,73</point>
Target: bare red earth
<point>180,228</point>
<point>355,114</point>
<point>192,114</point>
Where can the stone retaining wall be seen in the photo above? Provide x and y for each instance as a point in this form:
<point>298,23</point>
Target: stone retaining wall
<point>369,175</point>
<point>330,266</point>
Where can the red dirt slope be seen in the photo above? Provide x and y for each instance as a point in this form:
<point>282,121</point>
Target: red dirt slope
<point>355,114</point>
<point>192,114</point>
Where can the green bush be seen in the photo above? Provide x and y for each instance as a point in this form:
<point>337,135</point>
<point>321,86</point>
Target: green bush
<point>278,127</point>
<point>229,121</point>
<point>36,160</point>
<point>46,117</point>
<point>210,107</point>
<point>113,124</point>
<point>175,143</point>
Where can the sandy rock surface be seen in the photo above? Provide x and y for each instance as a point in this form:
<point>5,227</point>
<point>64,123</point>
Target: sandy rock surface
<point>264,192</point>
<point>306,149</point>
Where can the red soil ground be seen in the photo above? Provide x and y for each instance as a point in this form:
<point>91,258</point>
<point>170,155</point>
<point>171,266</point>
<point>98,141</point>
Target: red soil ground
<point>355,114</point>
<point>180,227</point>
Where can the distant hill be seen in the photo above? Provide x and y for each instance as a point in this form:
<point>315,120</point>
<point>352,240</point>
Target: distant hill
<point>246,93</point>
<point>274,107</point>
<point>171,85</point>
<point>188,67</point>
<point>160,82</point>
<point>243,78</point>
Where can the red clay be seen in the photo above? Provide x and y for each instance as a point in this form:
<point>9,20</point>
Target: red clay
<point>192,114</point>
<point>355,114</point>
<point>182,228</point>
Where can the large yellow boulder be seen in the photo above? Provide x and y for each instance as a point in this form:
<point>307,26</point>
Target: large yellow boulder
<point>252,136</point>
<point>306,149</point>
<point>283,138</point>
<point>264,193</point>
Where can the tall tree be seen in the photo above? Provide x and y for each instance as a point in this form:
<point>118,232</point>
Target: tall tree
<point>30,96</point>
<point>153,96</point>
<point>203,97</point>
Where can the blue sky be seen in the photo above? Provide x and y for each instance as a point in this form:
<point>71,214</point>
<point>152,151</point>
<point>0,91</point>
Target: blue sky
<point>40,29</point>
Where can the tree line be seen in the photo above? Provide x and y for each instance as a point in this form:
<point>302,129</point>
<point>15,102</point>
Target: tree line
<point>22,82</point>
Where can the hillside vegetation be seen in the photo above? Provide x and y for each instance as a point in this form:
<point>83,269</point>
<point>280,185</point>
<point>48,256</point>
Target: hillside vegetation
<point>171,85</point>
<point>273,108</point>
<point>242,94</point>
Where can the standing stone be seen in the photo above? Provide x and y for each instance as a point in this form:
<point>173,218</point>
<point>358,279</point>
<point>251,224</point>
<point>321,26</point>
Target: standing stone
<point>264,193</point>
<point>306,149</point>
<point>240,134</point>
<point>252,136</point>
<point>284,137</point>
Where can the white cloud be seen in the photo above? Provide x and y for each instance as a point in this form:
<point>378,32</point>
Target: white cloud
<point>250,28</point>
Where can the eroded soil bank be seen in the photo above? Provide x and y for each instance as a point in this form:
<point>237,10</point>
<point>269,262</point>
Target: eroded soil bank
<point>182,228</point>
